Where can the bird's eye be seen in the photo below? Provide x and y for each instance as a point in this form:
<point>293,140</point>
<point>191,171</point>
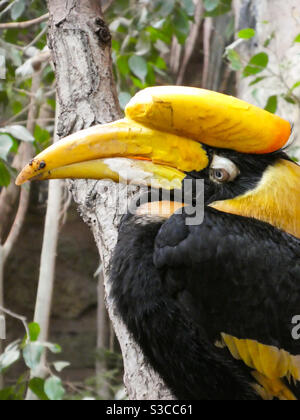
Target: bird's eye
<point>220,175</point>
<point>223,170</point>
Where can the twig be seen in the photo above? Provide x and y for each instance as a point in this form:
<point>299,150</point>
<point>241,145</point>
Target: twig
<point>50,93</point>
<point>22,91</point>
<point>23,122</point>
<point>37,38</point>
<point>17,224</point>
<point>66,202</point>
<point>15,117</point>
<point>191,41</point>
<point>3,3</point>
<point>175,55</point>
<point>10,45</point>
<point>107,6</point>
<point>8,8</point>
<point>21,318</point>
<point>207,29</point>
<point>24,25</point>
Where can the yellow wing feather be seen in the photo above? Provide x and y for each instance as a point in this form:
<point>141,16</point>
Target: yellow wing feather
<point>270,365</point>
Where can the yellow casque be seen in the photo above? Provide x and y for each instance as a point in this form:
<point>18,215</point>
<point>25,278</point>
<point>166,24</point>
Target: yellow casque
<point>209,117</point>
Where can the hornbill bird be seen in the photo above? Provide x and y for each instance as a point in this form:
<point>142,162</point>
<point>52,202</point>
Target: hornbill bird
<point>211,304</point>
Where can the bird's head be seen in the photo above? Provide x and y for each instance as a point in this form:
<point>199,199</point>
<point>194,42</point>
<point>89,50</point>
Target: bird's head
<point>173,133</point>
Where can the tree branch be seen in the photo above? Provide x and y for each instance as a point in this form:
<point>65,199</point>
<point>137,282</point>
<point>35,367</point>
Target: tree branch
<point>7,8</point>
<point>18,223</point>
<point>207,30</point>
<point>36,39</point>
<point>191,41</point>
<point>21,318</point>
<point>24,25</point>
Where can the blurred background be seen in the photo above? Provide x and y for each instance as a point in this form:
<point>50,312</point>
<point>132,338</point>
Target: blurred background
<point>247,48</point>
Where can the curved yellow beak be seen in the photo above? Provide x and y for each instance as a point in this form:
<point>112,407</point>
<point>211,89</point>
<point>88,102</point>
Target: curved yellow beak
<point>121,151</point>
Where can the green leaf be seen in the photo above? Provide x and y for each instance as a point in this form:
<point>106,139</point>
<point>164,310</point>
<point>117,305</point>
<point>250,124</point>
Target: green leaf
<point>295,86</point>
<point>181,25</point>
<point>138,66</point>
<point>224,6</point>
<point>17,107</point>
<point>160,63</point>
<point>122,64</point>
<point>124,98</point>
<point>54,348</point>
<point>138,83</point>
<point>257,80</point>
<point>234,59</point>
<point>269,39</point>
<point>17,9</point>
<point>167,8</point>
<point>32,354</point>
<point>255,95</point>
<point>54,389</point>
<point>34,331</point>
<point>211,5</point>
<point>297,39</point>
<point>52,103</point>
<point>162,47</point>
<point>160,24</point>
<point>115,45</point>
<point>189,7</point>
<point>12,352</point>
<point>19,132</point>
<point>164,34</point>
<point>60,366</point>
<point>6,144</point>
<point>151,78</point>
<point>289,99</point>
<point>41,135</point>
<point>272,104</point>
<point>4,182</point>
<point>36,385</point>
<point>247,33</point>
<point>6,394</point>
<point>143,45</point>
<point>256,65</point>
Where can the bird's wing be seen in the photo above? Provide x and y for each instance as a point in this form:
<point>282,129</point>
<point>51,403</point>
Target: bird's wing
<point>239,279</point>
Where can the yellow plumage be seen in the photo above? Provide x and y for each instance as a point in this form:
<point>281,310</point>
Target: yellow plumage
<point>276,199</point>
<point>269,363</point>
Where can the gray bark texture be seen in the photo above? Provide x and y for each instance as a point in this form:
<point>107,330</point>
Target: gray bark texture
<point>79,41</point>
<point>279,22</point>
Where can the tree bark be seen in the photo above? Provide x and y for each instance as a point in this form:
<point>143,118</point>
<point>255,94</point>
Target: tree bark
<point>80,44</point>
<point>278,21</point>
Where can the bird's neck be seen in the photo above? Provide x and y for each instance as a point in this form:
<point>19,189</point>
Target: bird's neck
<point>276,199</point>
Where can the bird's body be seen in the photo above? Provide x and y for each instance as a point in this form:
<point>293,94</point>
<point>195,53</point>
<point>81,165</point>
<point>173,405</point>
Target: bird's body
<point>183,291</point>
<point>212,304</point>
